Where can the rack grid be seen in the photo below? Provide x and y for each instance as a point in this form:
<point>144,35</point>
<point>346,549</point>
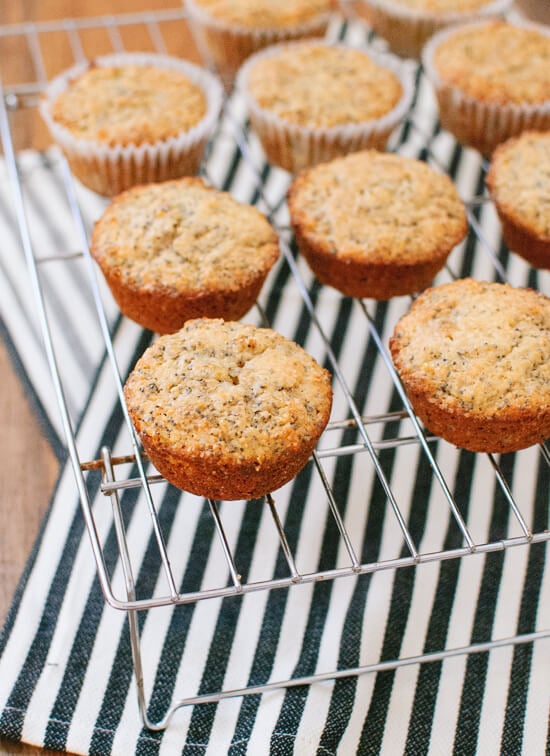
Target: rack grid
<point>23,96</point>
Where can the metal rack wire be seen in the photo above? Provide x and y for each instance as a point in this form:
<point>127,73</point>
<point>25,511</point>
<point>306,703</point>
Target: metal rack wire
<point>23,96</point>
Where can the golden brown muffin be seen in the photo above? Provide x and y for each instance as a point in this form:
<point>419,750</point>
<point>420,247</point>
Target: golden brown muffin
<point>518,181</point>
<point>474,358</point>
<point>227,410</point>
<point>231,30</point>
<point>492,80</point>
<point>132,118</point>
<point>407,24</point>
<point>179,250</point>
<point>374,224</point>
<point>311,101</point>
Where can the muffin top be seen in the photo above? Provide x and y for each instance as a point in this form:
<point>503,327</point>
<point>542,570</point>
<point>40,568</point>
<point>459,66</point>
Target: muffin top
<point>218,387</point>
<point>129,104</point>
<point>378,207</point>
<point>272,14</point>
<point>183,234</point>
<point>519,180</point>
<point>496,62</point>
<point>322,86</point>
<point>442,6</point>
<point>476,346</point>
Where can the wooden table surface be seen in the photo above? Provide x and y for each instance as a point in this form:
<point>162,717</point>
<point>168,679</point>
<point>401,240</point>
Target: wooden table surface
<point>29,468</point>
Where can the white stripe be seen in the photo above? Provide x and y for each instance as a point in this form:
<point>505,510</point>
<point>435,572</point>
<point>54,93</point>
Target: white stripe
<point>447,705</point>
<point>419,613</point>
<point>36,591</point>
<point>462,617</point>
<point>495,695</point>
<point>538,694</point>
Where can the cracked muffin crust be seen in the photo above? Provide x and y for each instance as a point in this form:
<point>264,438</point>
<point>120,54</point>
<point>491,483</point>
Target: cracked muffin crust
<point>228,410</point>
<point>474,358</point>
<point>375,224</point>
<point>518,181</point>
<point>180,249</point>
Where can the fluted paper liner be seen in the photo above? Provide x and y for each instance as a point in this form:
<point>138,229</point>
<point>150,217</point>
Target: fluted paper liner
<point>108,170</point>
<point>473,122</point>
<point>293,147</point>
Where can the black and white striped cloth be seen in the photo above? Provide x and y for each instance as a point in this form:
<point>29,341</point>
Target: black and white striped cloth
<point>66,678</point>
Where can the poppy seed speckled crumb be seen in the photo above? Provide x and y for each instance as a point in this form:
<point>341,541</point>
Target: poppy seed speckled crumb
<point>474,358</point>
<point>228,410</point>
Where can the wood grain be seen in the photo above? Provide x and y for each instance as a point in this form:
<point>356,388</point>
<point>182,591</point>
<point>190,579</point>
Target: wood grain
<point>29,468</point>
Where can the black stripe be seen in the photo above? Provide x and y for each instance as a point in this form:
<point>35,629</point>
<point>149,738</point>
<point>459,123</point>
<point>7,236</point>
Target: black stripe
<point>406,126</point>
<point>231,170</point>
<point>476,666</point>
<point>344,690</point>
<point>202,718</point>
<point>471,244</point>
<point>516,705</point>
<point>421,719</point>
<point>401,598</point>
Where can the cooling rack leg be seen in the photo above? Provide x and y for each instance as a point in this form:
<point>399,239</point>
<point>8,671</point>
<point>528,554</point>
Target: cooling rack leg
<point>138,667</point>
<point>109,476</point>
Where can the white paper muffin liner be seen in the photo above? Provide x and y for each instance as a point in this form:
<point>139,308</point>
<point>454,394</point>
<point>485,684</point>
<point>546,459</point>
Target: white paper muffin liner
<point>293,147</point>
<point>406,30</point>
<point>108,170</point>
<point>229,45</point>
<point>478,124</point>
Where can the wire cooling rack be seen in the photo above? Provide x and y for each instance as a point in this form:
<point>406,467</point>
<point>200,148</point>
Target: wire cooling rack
<point>355,434</point>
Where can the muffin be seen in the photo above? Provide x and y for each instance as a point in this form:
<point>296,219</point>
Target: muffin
<point>474,358</point>
<point>312,101</point>
<point>179,250</point>
<point>374,224</point>
<point>492,80</point>
<point>228,32</point>
<point>133,118</point>
<point>518,181</point>
<point>407,24</point>
<point>227,410</point>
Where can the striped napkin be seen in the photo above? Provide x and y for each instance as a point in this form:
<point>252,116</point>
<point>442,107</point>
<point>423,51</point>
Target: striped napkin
<point>66,673</point>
